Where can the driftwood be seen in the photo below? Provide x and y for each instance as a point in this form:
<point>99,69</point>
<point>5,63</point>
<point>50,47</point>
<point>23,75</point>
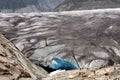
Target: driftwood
<point>14,66</point>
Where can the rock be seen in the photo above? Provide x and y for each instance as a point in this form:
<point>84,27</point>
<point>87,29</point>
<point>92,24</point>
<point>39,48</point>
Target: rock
<point>13,65</point>
<point>69,5</point>
<point>108,73</point>
<point>96,64</point>
<point>25,6</point>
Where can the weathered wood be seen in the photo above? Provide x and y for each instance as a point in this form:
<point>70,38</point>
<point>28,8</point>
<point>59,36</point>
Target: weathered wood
<point>14,66</point>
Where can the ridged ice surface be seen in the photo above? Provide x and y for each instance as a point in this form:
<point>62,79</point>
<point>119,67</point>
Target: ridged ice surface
<point>92,35</point>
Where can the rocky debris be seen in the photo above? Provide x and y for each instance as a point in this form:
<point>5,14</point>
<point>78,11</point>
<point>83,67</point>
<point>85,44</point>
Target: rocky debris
<point>93,36</point>
<point>69,5</point>
<point>26,6</point>
<point>14,66</point>
<point>108,73</point>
